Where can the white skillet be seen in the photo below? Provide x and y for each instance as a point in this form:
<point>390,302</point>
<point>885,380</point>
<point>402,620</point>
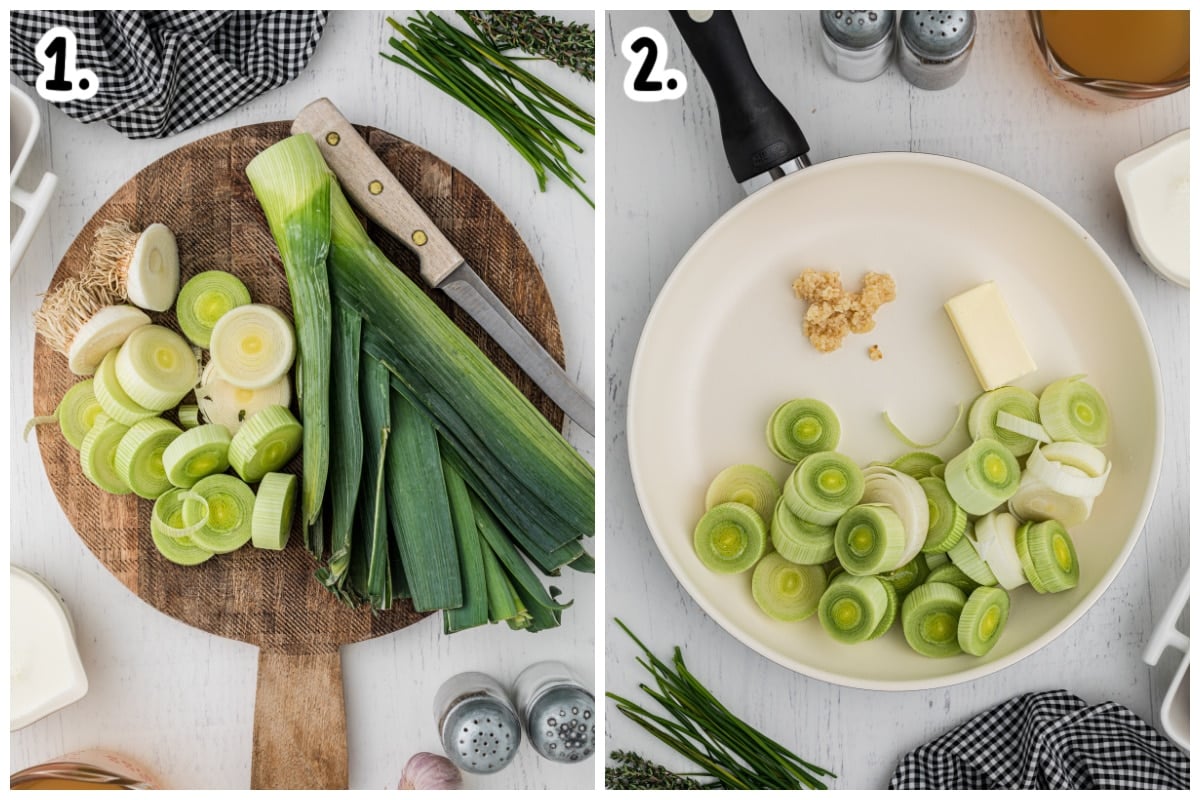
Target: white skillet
<point>723,345</point>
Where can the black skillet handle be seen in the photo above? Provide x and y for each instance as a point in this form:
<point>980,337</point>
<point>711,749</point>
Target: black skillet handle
<point>758,132</point>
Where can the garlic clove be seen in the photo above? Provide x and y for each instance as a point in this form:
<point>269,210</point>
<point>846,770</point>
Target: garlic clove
<point>430,771</point>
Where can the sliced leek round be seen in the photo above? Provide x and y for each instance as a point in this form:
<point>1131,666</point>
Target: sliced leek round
<point>948,573</point>
<point>890,611</point>
<point>266,442</point>
<point>800,427</point>
<point>947,520</point>
<point>1084,457</point>
<point>225,404</point>
<point>75,415</point>
<point>204,299</point>
<point>917,464</point>
<point>1048,556</point>
<point>823,486</point>
<point>995,540</point>
<point>182,551</point>
<point>1037,501</point>
<point>869,539</point>
<point>785,591</point>
<point>97,456</point>
<point>799,541</point>
<point>982,620</point>
<point>746,484</point>
<point>929,616</point>
<point>253,346</point>
<point>230,508</point>
<point>730,538</point>
<point>166,518</point>
<point>274,506</point>
<point>934,560</point>
<point>965,556</point>
<point>1066,478</point>
<point>983,418</point>
<point>156,367</point>
<point>143,267</point>
<point>107,330</point>
<point>983,476</point>
<point>197,453</point>
<point>904,578</point>
<point>139,458</point>
<point>189,416</point>
<point>882,484</point>
<point>112,398</point>
<point>852,607</point>
<point>1072,410</point>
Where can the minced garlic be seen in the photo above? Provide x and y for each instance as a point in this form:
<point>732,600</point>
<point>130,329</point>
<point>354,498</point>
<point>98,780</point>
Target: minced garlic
<point>833,313</point>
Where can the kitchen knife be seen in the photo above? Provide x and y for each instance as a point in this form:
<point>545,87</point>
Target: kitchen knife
<point>376,192</point>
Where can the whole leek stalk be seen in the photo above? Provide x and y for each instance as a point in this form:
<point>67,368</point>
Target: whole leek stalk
<point>517,437</point>
<point>292,184</point>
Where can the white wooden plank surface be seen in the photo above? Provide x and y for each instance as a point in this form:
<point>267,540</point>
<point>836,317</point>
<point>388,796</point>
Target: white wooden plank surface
<point>667,181</point>
<point>181,700</point>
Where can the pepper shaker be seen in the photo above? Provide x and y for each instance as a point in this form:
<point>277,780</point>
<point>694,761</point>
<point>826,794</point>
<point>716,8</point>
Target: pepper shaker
<point>478,724</point>
<point>557,711</point>
<point>857,45</point>
<point>934,46</point>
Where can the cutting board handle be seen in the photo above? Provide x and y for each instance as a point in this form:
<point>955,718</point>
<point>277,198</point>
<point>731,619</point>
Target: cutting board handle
<point>299,723</point>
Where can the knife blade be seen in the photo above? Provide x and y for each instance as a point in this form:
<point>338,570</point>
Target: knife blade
<point>378,194</point>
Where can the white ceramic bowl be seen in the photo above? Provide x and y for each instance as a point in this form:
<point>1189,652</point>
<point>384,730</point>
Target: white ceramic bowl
<point>723,345</point>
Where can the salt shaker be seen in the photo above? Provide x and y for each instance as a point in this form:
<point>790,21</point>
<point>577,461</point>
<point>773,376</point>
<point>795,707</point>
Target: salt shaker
<point>934,46</point>
<point>857,45</point>
<point>557,711</point>
<point>478,724</point>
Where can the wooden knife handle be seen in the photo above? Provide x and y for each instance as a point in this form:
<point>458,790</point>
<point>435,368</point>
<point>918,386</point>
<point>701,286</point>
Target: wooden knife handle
<point>373,188</point>
<point>299,723</point>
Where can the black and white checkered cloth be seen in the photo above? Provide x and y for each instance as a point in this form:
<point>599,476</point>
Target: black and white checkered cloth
<point>1047,740</point>
<point>161,72</point>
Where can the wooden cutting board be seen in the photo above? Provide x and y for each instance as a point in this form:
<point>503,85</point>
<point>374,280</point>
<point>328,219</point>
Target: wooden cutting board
<point>267,598</point>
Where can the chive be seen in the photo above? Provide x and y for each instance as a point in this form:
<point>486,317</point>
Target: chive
<point>707,733</point>
<point>474,70</point>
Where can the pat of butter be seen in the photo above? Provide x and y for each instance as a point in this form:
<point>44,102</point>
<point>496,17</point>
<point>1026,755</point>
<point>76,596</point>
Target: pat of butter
<point>989,336</point>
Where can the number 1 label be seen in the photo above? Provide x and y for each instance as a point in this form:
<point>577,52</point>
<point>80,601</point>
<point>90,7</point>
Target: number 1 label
<point>61,80</point>
<point>648,79</point>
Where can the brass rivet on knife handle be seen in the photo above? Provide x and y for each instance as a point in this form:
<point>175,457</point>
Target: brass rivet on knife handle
<point>388,204</point>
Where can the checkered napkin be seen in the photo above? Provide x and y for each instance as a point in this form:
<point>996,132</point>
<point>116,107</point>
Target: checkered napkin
<point>161,72</point>
<point>1047,740</point>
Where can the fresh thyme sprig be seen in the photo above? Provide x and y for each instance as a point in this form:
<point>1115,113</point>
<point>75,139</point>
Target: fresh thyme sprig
<point>634,772</point>
<point>568,44</point>
<point>520,106</point>
<point>708,734</point>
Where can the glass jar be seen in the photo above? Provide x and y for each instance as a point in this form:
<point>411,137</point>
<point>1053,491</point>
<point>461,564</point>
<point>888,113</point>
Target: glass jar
<point>1114,59</point>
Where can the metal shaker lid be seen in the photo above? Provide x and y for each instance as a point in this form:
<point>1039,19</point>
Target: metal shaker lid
<point>561,724</point>
<point>937,35</point>
<point>481,734</point>
<point>857,30</point>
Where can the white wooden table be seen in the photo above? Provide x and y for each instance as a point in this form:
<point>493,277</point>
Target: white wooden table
<point>178,699</point>
<point>667,181</point>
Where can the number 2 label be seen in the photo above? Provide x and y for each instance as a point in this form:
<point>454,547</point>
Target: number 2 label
<point>648,79</point>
